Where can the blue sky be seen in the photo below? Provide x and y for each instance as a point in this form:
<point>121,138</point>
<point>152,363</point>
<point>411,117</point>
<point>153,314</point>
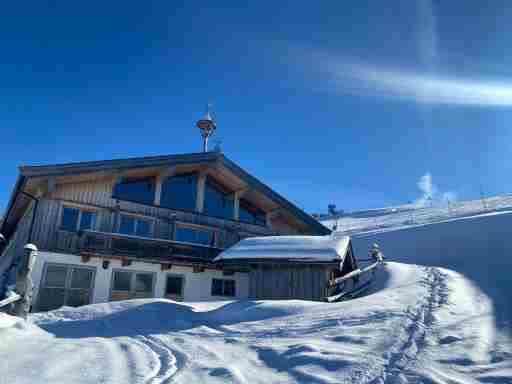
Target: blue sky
<point>345,102</point>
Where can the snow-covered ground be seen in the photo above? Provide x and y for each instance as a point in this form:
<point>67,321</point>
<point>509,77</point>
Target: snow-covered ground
<point>420,324</point>
<point>411,215</point>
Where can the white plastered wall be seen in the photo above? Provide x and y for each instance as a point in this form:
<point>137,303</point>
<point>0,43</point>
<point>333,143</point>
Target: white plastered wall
<point>197,286</point>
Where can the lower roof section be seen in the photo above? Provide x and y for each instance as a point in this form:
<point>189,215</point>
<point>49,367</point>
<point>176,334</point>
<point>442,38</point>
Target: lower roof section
<point>304,249</point>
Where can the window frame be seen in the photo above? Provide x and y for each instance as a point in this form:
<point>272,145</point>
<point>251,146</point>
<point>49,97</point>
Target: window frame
<point>132,281</point>
<point>136,218</point>
<point>127,180</point>
<point>227,195</point>
<point>164,190</point>
<point>213,232</point>
<point>183,282</point>
<point>223,294</point>
<point>67,281</point>
<point>80,209</point>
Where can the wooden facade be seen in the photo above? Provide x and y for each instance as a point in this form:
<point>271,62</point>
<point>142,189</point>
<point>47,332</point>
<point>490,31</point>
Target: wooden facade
<point>90,186</point>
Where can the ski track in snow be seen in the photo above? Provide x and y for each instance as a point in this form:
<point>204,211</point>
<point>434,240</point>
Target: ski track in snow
<point>412,337</point>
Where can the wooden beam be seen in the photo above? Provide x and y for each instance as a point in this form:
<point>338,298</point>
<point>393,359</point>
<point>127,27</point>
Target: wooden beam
<point>160,179</point>
<point>201,181</point>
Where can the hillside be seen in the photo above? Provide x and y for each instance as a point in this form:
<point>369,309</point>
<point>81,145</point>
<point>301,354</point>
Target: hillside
<point>411,215</point>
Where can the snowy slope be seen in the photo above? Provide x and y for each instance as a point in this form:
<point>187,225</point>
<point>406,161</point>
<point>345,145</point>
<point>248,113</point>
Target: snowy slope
<point>410,214</point>
<point>421,324</point>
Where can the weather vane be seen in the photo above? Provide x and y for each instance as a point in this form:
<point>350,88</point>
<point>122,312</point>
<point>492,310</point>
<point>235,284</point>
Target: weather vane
<point>207,126</point>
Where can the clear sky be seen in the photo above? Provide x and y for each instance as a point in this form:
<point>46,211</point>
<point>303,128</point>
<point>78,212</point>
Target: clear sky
<point>328,101</point>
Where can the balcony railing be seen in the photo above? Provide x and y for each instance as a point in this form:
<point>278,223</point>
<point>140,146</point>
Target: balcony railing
<point>116,244</point>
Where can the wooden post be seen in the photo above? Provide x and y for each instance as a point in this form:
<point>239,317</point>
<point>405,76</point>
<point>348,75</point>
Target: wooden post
<point>201,181</point>
<point>160,179</point>
<point>24,284</point>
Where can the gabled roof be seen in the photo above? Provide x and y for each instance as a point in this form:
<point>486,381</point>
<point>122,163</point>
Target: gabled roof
<point>27,172</point>
<point>288,248</point>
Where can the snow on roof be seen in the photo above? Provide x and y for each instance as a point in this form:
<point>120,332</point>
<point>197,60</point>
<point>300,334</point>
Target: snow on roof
<point>303,248</point>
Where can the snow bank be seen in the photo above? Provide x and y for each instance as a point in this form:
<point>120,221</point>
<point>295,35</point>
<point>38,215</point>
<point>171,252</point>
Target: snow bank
<point>305,248</point>
<point>477,247</point>
<point>421,324</point>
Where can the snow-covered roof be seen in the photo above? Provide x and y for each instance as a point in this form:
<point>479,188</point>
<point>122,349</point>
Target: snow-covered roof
<point>299,248</point>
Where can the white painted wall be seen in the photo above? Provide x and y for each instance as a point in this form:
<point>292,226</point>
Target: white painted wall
<point>197,286</point>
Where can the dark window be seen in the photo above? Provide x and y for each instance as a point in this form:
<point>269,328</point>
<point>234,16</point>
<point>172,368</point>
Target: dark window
<point>87,220</point>
<point>144,282</point>
<point>193,235</point>
<point>130,225</point>
<point>174,285</point>
<point>141,190</point>
<point>74,219</point>
<point>132,285</point>
<point>179,192</point>
<point>122,281</point>
<point>65,285</point>
<point>217,200</point>
<point>127,225</point>
<point>143,228</point>
<point>223,287</point>
<point>69,219</point>
<point>248,213</point>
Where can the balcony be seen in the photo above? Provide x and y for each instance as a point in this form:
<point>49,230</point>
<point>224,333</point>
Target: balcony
<point>133,247</point>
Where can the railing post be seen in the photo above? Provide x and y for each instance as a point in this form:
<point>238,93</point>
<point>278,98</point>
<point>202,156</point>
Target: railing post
<point>24,284</point>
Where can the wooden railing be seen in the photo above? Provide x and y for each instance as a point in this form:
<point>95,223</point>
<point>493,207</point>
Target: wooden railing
<point>116,244</point>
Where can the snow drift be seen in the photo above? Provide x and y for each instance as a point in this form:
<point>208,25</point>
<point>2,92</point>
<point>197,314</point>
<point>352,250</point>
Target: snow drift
<point>421,324</point>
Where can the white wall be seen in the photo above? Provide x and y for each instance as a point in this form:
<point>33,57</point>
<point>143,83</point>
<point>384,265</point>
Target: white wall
<point>197,286</point>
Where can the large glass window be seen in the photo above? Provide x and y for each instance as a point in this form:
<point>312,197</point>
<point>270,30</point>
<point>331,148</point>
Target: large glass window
<point>194,235</point>
<point>132,285</point>
<point>65,285</point>
<point>223,287</point>
<point>179,192</point>
<point>135,226</point>
<point>218,201</point>
<point>248,213</point>
<point>141,190</point>
<point>74,219</point>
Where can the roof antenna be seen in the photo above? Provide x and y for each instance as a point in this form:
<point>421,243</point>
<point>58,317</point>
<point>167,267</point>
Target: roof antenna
<point>207,126</point>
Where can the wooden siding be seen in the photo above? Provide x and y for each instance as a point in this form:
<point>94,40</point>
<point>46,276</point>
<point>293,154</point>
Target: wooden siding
<point>282,281</point>
<point>18,240</point>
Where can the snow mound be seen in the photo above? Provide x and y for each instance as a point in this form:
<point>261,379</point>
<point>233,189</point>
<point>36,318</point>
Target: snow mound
<point>420,324</point>
<point>325,248</point>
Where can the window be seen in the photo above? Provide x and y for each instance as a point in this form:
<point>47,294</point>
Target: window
<point>223,287</point>
<point>174,287</point>
<point>248,213</point>
<point>131,225</point>
<point>217,200</point>
<point>74,219</point>
<point>179,192</point>
<point>128,285</point>
<point>65,285</point>
<point>140,190</point>
<point>194,235</point>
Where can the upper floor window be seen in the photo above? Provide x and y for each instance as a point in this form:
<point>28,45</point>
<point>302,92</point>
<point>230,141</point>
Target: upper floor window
<point>218,201</point>
<point>131,225</point>
<point>179,192</point>
<point>140,190</point>
<point>248,213</point>
<point>194,235</point>
<point>75,219</point>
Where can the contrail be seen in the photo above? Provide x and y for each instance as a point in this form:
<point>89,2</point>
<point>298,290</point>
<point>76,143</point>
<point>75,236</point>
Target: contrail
<point>356,77</point>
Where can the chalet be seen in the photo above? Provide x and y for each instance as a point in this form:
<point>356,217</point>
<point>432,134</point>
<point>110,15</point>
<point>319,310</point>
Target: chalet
<point>142,227</point>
